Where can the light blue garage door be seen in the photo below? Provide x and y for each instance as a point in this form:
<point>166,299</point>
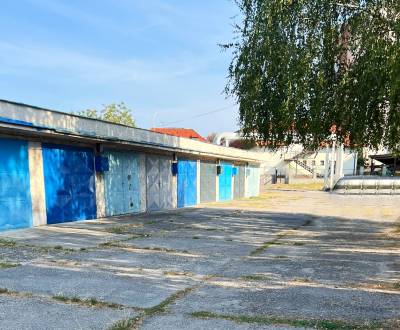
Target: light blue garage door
<point>187,182</point>
<point>122,189</point>
<point>225,182</point>
<point>253,181</point>
<point>15,196</point>
<point>69,179</point>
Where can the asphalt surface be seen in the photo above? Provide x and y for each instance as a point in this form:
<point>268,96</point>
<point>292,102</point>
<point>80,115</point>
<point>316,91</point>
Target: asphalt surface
<point>287,260</point>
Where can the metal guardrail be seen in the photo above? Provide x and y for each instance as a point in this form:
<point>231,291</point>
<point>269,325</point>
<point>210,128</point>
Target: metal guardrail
<point>368,185</point>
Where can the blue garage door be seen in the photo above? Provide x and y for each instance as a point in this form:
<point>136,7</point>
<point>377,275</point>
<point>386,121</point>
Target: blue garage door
<point>15,196</point>
<point>69,178</point>
<point>187,182</point>
<point>122,183</point>
<point>225,182</point>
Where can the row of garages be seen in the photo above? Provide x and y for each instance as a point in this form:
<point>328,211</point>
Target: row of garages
<point>43,183</point>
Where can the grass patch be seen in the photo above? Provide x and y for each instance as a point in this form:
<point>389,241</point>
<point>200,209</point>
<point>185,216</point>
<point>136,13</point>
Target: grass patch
<point>116,230</point>
<point>150,222</point>
<point>7,243</point>
<point>4,291</point>
<point>309,186</point>
<point>124,229</point>
<point>127,324</point>
<point>91,302</point>
<point>47,249</point>
<point>397,228</point>
<point>149,248</point>
<point>280,257</point>
<point>175,273</point>
<point>264,320</point>
<point>162,307</point>
<point>13,244</point>
<point>265,246</point>
<point>6,264</point>
<point>196,237</point>
<point>7,292</point>
<point>302,280</point>
<point>255,277</point>
<point>135,322</point>
<point>119,243</point>
<point>384,286</point>
<point>161,249</point>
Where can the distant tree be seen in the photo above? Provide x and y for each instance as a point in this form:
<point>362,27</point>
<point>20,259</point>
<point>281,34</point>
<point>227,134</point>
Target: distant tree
<point>245,144</point>
<point>211,137</point>
<point>115,112</point>
<point>301,67</point>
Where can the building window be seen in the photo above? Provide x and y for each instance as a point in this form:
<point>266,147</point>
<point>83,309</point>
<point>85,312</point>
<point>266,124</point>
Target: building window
<point>322,163</point>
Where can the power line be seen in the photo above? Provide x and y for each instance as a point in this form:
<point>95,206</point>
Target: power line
<point>200,115</point>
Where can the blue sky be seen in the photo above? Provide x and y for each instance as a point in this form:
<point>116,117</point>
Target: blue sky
<point>161,57</point>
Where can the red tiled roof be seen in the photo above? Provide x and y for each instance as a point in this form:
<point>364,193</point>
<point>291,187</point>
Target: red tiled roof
<point>181,132</point>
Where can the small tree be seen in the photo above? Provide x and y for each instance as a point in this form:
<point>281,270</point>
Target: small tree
<point>115,112</point>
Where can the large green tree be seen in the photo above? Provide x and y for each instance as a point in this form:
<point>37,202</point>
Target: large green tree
<point>115,112</point>
<point>301,67</point>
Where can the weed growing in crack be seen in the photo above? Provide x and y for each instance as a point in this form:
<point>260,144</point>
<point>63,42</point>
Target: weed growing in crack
<point>301,323</point>
<point>91,302</point>
<point>255,277</point>
<point>6,264</point>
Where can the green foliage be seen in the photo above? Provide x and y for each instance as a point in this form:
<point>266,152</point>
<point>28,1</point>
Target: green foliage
<point>245,144</point>
<point>301,67</point>
<point>115,112</point>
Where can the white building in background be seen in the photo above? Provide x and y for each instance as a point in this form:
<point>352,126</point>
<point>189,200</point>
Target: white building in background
<point>296,162</point>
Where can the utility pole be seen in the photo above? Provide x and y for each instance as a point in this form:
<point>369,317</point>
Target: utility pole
<point>332,172</point>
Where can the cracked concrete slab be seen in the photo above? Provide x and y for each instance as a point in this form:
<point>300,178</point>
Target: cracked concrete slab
<point>50,236</point>
<point>321,265</point>
<point>173,322</point>
<point>298,302</point>
<point>134,290</point>
<point>34,313</point>
<point>128,259</point>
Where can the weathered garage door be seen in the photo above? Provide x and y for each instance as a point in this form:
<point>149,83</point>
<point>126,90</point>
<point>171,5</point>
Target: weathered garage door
<point>69,178</point>
<point>253,181</point>
<point>225,182</point>
<point>187,182</point>
<point>122,189</point>
<point>159,183</point>
<point>15,196</point>
<point>208,175</point>
<point>240,180</point>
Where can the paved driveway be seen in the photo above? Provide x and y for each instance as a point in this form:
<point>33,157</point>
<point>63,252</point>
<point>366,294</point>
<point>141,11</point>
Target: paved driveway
<point>287,260</point>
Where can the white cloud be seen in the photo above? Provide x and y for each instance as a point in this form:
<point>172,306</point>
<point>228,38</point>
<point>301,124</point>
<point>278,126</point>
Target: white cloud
<point>95,69</point>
